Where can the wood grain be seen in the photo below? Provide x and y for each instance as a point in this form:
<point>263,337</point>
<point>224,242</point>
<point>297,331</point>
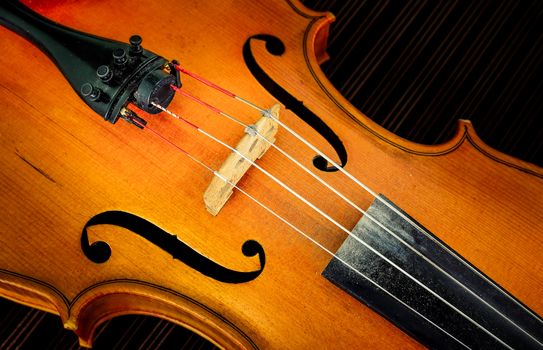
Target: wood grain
<point>62,165</point>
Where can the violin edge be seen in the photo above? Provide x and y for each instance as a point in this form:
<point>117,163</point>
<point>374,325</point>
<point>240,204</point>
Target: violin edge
<point>314,46</point>
<point>466,127</point>
<point>96,304</point>
<point>463,131</point>
<point>320,41</point>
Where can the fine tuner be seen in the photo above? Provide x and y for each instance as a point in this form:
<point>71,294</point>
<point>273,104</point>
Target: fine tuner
<point>396,260</point>
<point>106,74</point>
<point>109,75</point>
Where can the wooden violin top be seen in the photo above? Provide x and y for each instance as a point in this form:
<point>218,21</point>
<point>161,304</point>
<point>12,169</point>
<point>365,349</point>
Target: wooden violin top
<point>67,174</point>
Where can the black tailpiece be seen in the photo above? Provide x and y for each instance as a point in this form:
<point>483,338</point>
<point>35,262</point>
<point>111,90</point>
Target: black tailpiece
<point>106,74</point>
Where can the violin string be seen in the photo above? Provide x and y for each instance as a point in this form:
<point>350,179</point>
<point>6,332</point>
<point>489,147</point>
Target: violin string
<point>352,204</point>
<point>334,222</point>
<point>411,222</point>
<point>295,228</point>
<point>272,144</point>
<point>286,127</point>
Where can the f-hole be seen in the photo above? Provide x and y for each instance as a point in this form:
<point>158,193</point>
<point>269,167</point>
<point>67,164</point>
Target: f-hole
<point>276,47</point>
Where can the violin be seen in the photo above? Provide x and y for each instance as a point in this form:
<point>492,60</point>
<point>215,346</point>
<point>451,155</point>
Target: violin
<point>216,179</point>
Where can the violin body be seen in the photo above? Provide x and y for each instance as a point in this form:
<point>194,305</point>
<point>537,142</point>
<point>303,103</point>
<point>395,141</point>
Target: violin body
<point>62,166</point>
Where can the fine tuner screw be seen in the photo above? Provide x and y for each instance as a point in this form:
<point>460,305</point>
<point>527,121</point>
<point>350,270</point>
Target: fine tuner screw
<point>90,92</point>
<point>135,44</point>
<point>104,73</point>
<point>119,57</point>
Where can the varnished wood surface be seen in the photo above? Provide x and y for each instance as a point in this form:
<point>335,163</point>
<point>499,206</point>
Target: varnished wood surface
<point>476,243</point>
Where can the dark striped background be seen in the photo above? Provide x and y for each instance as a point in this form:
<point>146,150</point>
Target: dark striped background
<point>415,67</point>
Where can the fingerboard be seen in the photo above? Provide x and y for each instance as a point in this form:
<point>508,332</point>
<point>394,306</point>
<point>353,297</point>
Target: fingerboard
<point>431,293</point>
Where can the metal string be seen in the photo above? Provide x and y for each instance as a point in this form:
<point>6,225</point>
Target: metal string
<point>322,213</point>
<point>374,194</point>
<point>294,227</point>
<point>362,211</point>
